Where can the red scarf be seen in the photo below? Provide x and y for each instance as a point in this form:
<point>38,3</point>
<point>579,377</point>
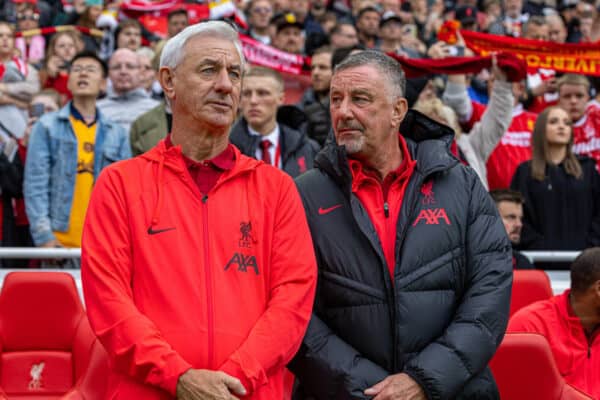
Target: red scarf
<point>580,58</point>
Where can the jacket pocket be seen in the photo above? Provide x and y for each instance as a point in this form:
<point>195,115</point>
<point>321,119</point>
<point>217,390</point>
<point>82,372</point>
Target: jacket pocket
<point>341,291</point>
<point>428,276</point>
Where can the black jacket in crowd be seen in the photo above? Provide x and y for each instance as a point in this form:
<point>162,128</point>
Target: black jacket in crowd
<point>520,261</point>
<point>297,150</point>
<point>317,114</point>
<point>11,188</point>
<point>443,316</point>
<point>561,212</point>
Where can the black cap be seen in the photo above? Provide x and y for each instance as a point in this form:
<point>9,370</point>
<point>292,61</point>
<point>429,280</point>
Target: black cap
<point>466,15</point>
<point>286,19</point>
<point>389,16</point>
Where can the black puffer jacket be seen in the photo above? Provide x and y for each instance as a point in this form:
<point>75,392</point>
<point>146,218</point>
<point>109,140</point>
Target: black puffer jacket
<point>445,313</point>
<point>297,150</point>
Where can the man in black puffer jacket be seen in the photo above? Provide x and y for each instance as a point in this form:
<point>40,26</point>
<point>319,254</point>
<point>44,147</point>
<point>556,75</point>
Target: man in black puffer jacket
<point>266,121</point>
<point>414,264</point>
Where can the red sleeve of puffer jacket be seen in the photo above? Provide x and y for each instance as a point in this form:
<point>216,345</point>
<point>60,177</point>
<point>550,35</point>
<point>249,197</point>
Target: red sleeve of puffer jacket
<point>132,341</point>
<point>276,336</point>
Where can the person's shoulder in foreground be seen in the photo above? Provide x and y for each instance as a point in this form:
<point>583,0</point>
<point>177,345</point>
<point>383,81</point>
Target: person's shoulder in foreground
<point>180,240</point>
<point>571,324</point>
<point>412,253</point>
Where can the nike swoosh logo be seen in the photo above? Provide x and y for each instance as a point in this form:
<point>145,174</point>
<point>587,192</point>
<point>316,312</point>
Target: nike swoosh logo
<point>323,211</point>
<point>155,231</point>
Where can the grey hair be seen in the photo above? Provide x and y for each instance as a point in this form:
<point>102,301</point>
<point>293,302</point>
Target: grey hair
<point>388,67</point>
<point>172,53</point>
<point>145,52</point>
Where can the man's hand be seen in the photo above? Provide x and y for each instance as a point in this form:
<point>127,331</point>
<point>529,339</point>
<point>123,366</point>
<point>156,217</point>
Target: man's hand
<point>497,72</point>
<point>397,387</point>
<point>547,86</point>
<point>50,244</point>
<point>53,65</point>
<point>202,384</point>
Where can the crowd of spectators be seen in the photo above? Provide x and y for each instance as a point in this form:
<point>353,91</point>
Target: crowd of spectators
<point>539,136</point>
<point>73,101</point>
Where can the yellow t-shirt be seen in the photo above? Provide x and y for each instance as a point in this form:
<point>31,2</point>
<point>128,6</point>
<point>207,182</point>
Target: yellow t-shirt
<point>84,181</point>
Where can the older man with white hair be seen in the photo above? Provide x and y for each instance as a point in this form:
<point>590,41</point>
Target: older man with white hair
<point>198,268</point>
<point>126,99</point>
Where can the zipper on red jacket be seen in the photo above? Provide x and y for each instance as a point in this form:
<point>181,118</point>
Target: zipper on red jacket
<point>209,285</point>
<point>386,209</point>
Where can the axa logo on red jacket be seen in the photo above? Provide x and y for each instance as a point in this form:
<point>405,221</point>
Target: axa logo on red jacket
<point>244,261</point>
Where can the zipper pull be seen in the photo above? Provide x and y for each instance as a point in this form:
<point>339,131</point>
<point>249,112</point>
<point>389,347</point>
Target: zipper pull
<point>386,209</point>
<point>205,198</point>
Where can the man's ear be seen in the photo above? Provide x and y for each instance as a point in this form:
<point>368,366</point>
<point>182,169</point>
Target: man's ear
<point>166,78</point>
<point>596,286</point>
<point>399,111</point>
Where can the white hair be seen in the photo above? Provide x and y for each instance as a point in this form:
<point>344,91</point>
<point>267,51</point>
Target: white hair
<point>145,52</point>
<point>172,53</point>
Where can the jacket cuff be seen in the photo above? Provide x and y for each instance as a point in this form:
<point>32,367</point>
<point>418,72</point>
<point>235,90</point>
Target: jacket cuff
<point>175,367</point>
<point>231,367</point>
<point>41,237</point>
<point>415,377</point>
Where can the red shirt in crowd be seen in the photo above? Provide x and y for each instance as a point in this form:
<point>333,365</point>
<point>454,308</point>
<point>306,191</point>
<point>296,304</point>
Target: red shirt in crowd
<point>513,149</point>
<point>577,355</point>
<point>586,135</point>
<point>535,77</point>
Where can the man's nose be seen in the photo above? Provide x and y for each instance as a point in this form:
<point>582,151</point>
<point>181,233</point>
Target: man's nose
<point>223,82</point>
<point>344,110</point>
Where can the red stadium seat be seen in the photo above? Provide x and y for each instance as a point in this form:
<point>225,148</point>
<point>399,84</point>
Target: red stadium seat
<point>524,369</point>
<point>92,385</point>
<point>529,286</point>
<point>45,338</point>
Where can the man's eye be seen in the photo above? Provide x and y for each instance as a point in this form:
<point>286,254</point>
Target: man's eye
<point>208,70</point>
<point>235,74</point>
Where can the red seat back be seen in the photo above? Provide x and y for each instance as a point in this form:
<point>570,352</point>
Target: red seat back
<point>529,286</point>
<point>524,369</point>
<point>45,338</point>
<point>94,382</point>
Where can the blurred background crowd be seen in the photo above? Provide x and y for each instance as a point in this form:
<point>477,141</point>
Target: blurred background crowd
<point>534,141</point>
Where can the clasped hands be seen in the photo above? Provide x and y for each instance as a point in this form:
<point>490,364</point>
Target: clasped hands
<point>198,384</point>
<point>202,384</point>
<point>397,387</point>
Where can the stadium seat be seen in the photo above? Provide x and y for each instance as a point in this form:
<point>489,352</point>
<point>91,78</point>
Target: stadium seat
<point>529,286</point>
<point>92,385</point>
<point>45,338</point>
<point>524,370</point>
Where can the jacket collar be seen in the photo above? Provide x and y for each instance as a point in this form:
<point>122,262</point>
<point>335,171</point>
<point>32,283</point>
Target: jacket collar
<point>428,143</point>
<point>65,113</point>
<point>138,93</point>
<point>289,139</point>
<point>173,159</point>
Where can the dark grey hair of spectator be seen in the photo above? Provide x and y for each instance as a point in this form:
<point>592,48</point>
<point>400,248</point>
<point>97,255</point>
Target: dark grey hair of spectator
<point>388,67</point>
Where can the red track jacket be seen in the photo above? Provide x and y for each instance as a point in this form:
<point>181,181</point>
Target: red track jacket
<point>176,280</point>
<point>577,358</point>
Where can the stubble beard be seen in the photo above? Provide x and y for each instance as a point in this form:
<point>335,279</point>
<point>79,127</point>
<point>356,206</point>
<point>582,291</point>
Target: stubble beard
<point>352,145</point>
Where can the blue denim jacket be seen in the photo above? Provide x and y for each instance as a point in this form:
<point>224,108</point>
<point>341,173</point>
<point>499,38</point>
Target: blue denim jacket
<point>51,167</point>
